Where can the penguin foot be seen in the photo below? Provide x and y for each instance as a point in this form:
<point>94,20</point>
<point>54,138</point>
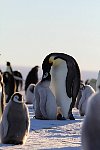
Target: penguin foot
<point>82,114</point>
<point>60,117</point>
<point>14,142</point>
<point>71,117</point>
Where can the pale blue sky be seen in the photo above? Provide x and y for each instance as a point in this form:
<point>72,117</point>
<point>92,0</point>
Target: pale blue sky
<point>31,29</point>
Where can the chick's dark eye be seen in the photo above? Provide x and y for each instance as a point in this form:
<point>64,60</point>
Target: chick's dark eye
<point>16,97</point>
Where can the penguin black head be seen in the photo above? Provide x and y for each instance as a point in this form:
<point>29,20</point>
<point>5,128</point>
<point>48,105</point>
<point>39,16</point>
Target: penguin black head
<point>48,61</point>
<point>46,65</point>
<point>8,63</point>
<point>17,97</point>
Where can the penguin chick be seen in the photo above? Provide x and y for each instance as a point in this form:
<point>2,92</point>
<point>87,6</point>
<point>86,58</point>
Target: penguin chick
<point>46,107</point>
<point>15,122</point>
<point>90,133</point>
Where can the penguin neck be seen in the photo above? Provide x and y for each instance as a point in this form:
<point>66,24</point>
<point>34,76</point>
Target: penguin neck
<point>45,83</point>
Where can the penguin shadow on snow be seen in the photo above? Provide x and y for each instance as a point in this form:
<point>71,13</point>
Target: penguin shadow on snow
<point>37,124</point>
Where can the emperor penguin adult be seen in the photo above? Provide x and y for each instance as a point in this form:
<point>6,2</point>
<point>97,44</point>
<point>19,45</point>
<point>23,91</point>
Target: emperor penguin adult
<point>2,96</point>
<point>15,124</point>
<point>65,80</point>
<point>90,132</point>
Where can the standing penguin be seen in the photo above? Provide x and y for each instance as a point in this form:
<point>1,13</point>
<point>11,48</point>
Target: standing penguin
<point>15,122</point>
<point>45,101</point>
<point>65,80</point>
<point>2,96</point>
<point>9,68</point>
<point>9,85</point>
<point>86,92</point>
<point>90,134</point>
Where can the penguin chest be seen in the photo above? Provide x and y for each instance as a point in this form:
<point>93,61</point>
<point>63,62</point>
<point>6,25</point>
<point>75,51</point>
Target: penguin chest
<point>58,81</point>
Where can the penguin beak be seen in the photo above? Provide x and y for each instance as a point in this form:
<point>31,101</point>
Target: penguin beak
<point>55,60</point>
<point>51,59</point>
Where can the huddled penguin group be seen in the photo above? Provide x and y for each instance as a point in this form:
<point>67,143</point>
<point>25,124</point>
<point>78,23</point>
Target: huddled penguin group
<point>53,96</point>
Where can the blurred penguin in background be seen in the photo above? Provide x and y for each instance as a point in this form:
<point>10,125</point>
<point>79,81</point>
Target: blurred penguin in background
<point>98,82</point>
<point>18,80</point>
<point>9,85</point>
<point>15,124</point>
<point>2,96</point>
<point>9,82</point>
<point>30,95</point>
<point>85,92</point>
<point>46,107</point>
<point>34,75</point>
<point>9,68</point>
<point>90,133</point>
<point>82,86</point>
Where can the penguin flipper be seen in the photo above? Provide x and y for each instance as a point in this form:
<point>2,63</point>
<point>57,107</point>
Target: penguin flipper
<point>75,87</point>
<point>69,82</point>
<point>27,118</point>
<point>76,82</point>
<point>4,122</point>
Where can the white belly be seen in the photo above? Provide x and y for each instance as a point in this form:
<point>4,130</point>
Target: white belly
<point>58,87</point>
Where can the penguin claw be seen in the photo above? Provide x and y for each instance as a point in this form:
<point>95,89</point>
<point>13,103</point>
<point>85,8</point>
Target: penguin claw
<point>60,117</point>
<point>71,117</point>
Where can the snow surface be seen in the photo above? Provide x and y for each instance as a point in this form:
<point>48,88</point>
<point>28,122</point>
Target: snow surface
<point>51,134</point>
